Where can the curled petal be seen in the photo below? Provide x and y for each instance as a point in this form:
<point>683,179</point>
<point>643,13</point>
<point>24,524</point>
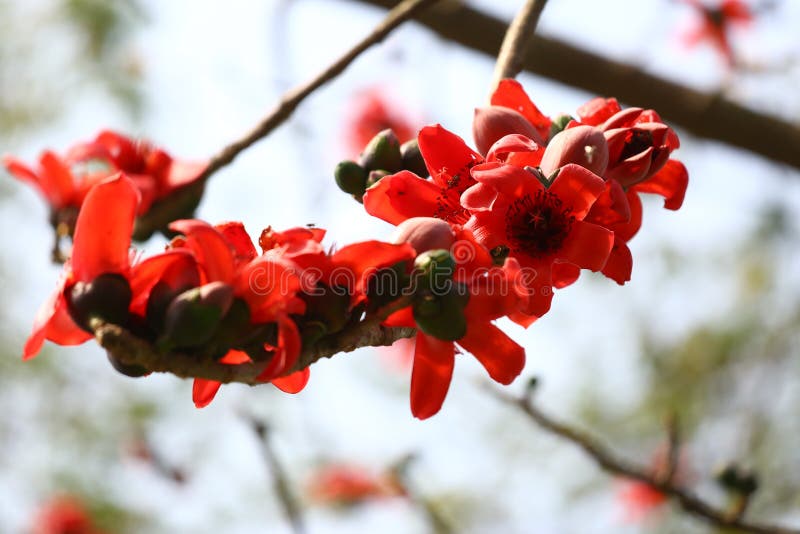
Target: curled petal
<point>204,391</point>
<point>239,239</point>
<point>620,263</point>
<point>57,181</point>
<point>598,110</point>
<point>445,153</point>
<point>587,246</point>
<point>214,253</point>
<point>293,383</point>
<point>670,182</point>
<point>510,94</point>
<point>578,189</point>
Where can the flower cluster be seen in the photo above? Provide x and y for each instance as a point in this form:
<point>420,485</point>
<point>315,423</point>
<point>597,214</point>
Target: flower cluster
<point>539,200</point>
<point>168,188</point>
<point>490,234</point>
<point>210,294</point>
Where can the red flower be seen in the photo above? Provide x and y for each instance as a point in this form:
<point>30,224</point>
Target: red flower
<point>492,294</point>
<point>347,485</point>
<point>371,112</point>
<point>63,515</point>
<point>404,195</point>
<point>540,224</point>
<point>510,94</point>
<point>714,24</point>
<point>65,181</point>
<point>640,499</point>
<point>101,247</point>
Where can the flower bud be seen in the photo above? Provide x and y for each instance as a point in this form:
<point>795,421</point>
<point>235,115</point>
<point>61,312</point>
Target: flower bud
<point>350,177</point>
<point>133,371</point>
<point>559,124</point>
<point>583,145</point>
<point>412,158</point>
<point>193,316</point>
<point>424,234</point>
<point>107,297</point>
<point>328,307</point>
<point>442,316</point>
<point>736,479</point>
<point>375,177</point>
<point>435,263</point>
<point>492,123</point>
<point>382,152</point>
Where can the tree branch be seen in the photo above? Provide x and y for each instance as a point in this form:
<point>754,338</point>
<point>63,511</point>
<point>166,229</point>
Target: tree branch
<point>517,41</point>
<point>134,351</point>
<point>290,100</point>
<point>610,462</point>
<point>709,115</point>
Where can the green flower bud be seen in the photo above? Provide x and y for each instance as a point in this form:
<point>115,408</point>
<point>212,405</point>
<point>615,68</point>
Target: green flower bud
<point>559,123</point>
<point>441,316</point>
<point>435,269</point>
<point>382,152</point>
<point>350,177</point>
<point>193,316</point>
<point>412,158</point>
<point>107,297</point>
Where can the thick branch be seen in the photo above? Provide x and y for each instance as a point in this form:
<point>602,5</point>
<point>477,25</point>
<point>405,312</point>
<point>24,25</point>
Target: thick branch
<point>610,462</point>
<point>708,115</point>
<point>517,41</point>
<point>131,350</point>
<point>289,102</point>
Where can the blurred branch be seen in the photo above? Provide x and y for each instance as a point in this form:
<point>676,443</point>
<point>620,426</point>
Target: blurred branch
<point>610,462</point>
<point>292,99</point>
<point>280,481</point>
<point>709,115</point>
<point>517,41</point>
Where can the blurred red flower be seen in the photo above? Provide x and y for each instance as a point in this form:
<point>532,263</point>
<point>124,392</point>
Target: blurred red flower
<point>63,515</point>
<point>348,485</point>
<point>371,112</point>
<point>714,24</point>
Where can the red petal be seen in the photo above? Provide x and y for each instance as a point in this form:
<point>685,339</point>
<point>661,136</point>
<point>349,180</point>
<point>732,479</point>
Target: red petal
<point>670,182</point>
<point>182,173</point>
<point>54,323</point>
<point>587,246</point>
<point>56,180</point>
<point>430,377</point>
<point>212,250</point>
<point>286,353</point>
<point>445,153</point>
<point>502,358</point>
<point>235,357</point>
<point>620,263</point>
<point>510,94</point>
<point>22,172</point>
<point>508,180</point>
<point>401,318</point>
<point>104,227</point>
<point>598,110</point>
<point>176,267</point>
<point>402,196</point>
<point>239,239</point>
<point>578,189</point>
<point>204,391</point>
<point>565,274</point>
<point>360,260</point>
<point>293,383</point>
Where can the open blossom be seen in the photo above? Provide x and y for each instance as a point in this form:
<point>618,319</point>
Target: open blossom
<point>371,111</point>
<point>64,181</point>
<point>460,317</point>
<point>401,196</point>
<point>714,23</point>
<point>348,485</point>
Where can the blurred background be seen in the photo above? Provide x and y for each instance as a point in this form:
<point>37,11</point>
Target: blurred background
<point>706,331</point>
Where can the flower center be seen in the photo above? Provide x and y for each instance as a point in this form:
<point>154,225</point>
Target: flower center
<point>637,142</point>
<point>537,225</point>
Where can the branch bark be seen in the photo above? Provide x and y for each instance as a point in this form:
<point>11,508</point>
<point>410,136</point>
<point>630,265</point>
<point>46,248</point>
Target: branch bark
<point>709,115</point>
<point>293,98</point>
<point>610,462</point>
<point>517,41</point>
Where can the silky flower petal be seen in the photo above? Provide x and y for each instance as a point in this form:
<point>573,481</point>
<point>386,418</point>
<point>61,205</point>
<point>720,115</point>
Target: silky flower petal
<point>620,263</point>
<point>577,188</point>
<point>204,391</point>
<point>402,196</point>
<point>56,180</point>
<point>445,153</point>
<point>103,231</point>
<point>670,182</point>
<point>236,235</point>
<point>431,374</point>
<point>293,383</point>
<point>213,252</point>
<point>502,358</point>
<point>510,94</point>
<point>587,245</point>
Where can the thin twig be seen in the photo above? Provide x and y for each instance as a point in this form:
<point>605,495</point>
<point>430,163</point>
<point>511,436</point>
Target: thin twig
<point>610,462</point>
<point>290,100</point>
<point>280,481</point>
<point>516,43</point>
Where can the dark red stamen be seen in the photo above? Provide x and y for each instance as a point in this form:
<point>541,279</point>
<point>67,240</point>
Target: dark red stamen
<point>537,225</point>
